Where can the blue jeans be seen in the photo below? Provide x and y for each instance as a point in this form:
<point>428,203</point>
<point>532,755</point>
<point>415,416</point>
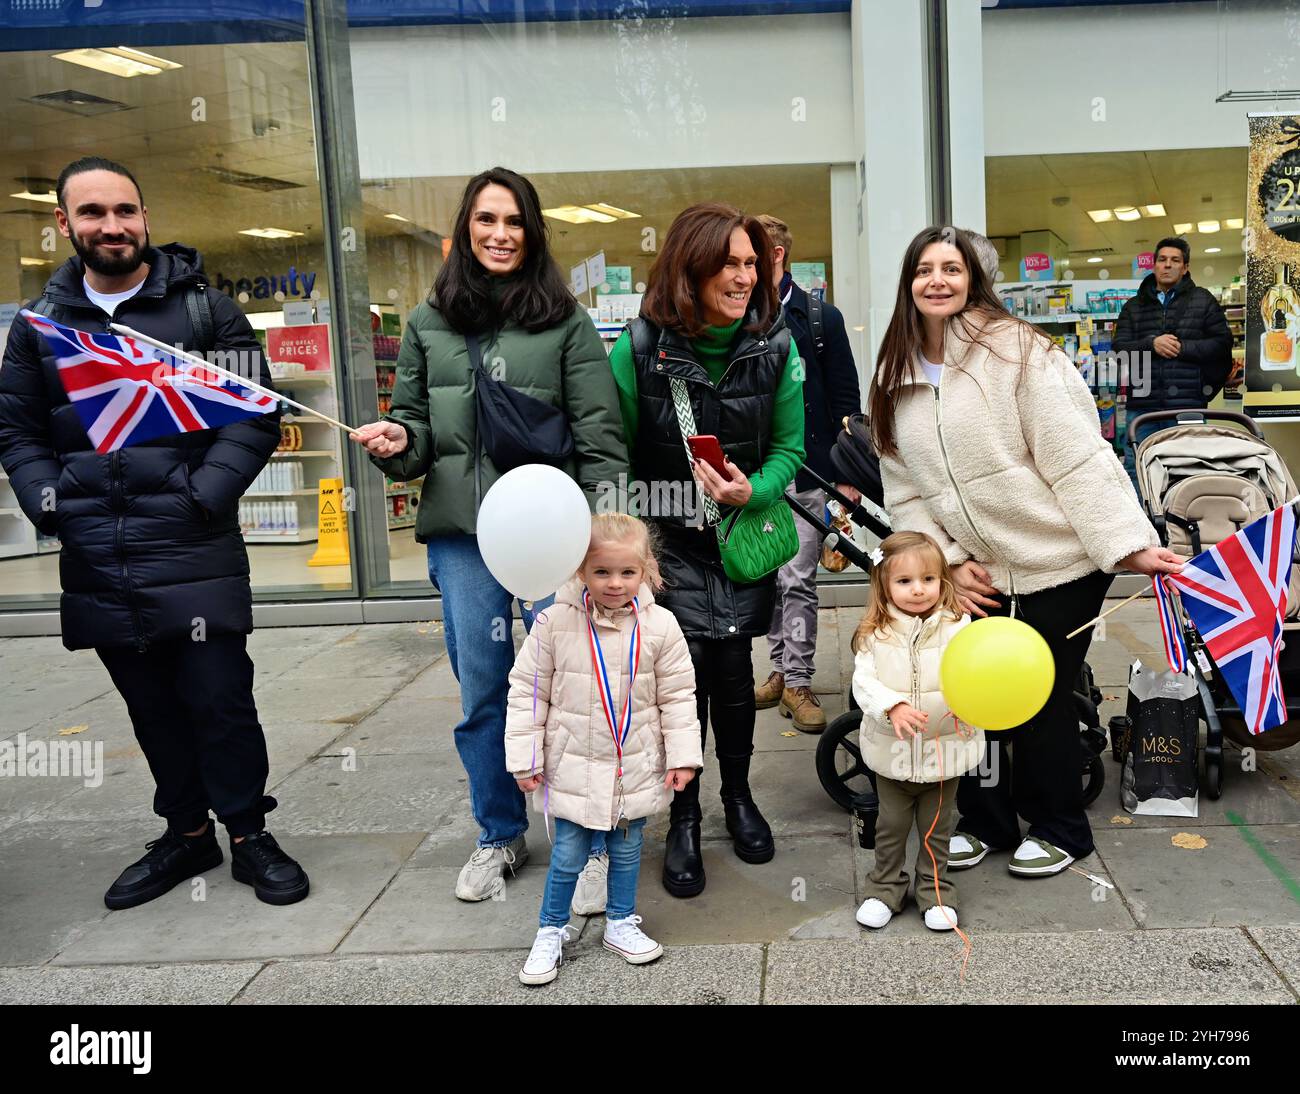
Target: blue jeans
<point>476,615</point>
<point>569,856</point>
<point>1130,450</point>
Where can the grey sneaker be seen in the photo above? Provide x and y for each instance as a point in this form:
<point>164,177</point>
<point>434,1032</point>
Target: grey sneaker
<point>589,896</point>
<point>964,851</point>
<point>482,877</point>
<point>1038,858</point>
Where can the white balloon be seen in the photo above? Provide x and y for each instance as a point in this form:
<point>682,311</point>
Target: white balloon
<point>534,527</point>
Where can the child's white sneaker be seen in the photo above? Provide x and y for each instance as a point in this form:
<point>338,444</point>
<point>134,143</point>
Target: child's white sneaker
<point>589,897</point>
<point>940,918</point>
<point>874,913</point>
<point>624,937</point>
<point>546,956</point>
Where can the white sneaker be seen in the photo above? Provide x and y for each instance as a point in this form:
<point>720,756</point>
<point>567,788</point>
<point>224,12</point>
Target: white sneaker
<point>589,896</point>
<point>874,913</point>
<point>481,878</point>
<point>940,918</point>
<point>546,956</point>
<point>623,936</point>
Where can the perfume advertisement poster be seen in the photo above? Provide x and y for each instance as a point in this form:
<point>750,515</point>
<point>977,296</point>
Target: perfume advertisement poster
<point>1273,268</point>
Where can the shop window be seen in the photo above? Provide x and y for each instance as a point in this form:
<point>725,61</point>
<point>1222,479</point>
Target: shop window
<point>222,140</point>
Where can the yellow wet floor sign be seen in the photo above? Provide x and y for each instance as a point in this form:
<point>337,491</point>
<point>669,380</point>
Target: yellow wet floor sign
<point>332,522</point>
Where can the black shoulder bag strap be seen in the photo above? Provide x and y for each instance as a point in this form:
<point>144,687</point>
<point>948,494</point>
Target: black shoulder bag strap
<point>43,305</point>
<point>201,325</point>
<point>476,361</point>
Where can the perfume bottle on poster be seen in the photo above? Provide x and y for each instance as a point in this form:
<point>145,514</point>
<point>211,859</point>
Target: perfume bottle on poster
<point>1280,310</point>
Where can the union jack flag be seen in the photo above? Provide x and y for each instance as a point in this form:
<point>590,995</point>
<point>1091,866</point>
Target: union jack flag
<point>1235,593</point>
<point>1175,647</point>
<point>126,393</point>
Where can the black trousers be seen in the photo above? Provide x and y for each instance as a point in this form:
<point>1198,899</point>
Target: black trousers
<point>1044,782</point>
<point>192,709</point>
<point>724,691</point>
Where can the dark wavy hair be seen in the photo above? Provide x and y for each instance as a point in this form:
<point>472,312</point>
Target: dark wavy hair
<point>535,296</point>
<point>696,247</point>
<point>905,335</point>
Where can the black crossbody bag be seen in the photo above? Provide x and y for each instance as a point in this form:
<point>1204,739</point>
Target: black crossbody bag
<point>514,428</point>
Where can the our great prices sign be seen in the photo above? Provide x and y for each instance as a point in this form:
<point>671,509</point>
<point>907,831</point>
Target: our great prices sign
<point>308,345</point>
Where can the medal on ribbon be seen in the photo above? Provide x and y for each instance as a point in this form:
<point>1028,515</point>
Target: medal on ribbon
<point>621,722</point>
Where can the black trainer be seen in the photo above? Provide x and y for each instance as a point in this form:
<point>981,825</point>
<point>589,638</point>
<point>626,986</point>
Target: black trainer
<point>276,878</point>
<point>172,858</point>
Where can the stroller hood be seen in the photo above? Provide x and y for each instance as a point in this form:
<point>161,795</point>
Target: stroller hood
<point>1207,482</point>
<point>855,460</point>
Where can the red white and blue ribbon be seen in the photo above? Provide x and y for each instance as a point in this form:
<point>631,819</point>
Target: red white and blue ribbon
<point>618,728</point>
<point>1170,632</point>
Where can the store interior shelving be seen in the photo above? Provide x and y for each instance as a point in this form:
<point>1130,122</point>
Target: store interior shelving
<point>280,506</point>
<point>401,498</point>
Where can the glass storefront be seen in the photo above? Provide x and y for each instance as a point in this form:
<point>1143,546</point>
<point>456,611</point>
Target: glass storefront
<point>315,155</point>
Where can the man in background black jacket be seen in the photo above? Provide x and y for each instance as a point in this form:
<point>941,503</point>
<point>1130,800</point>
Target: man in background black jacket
<point>830,392</point>
<point>1176,341</point>
<point>153,565</point>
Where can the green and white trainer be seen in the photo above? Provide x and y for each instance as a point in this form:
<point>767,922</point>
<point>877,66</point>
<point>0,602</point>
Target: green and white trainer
<point>1038,858</point>
<point>964,851</point>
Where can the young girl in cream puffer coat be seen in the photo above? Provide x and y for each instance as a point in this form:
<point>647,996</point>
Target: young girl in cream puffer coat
<point>600,766</point>
<point>916,747</point>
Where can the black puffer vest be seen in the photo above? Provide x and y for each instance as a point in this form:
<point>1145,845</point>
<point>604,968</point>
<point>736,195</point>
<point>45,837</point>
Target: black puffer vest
<point>708,605</point>
<point>738,411</point>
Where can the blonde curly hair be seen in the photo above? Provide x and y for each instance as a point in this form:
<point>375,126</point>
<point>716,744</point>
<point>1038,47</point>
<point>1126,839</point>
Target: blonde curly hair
<point>611,528</point>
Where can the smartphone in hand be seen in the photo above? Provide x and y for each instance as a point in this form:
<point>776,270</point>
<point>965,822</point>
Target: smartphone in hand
<point>706,447</point>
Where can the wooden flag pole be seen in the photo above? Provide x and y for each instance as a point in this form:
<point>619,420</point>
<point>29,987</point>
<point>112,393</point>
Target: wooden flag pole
<point>197,360</point>
<point>1094,622</point>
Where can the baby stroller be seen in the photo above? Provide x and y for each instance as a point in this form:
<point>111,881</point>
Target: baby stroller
<point>840,767</point>
<point>1200,482</point>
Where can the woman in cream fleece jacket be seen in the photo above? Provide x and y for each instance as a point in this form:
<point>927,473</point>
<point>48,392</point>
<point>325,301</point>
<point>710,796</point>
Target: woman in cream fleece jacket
<point>990,443</point>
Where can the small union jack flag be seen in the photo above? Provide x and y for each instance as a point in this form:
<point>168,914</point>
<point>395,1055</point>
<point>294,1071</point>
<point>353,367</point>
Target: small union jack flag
<point>1175,647</point>
<point>1236,595</point>
<point>126,393</point>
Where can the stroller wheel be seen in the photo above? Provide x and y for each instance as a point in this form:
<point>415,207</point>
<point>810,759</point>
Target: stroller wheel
<point>1213,777</point>
<point>1094,777</point>
<point>840,767</point>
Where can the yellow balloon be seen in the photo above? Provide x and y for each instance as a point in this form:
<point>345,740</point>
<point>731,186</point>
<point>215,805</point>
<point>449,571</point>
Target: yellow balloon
<point>997,673</point>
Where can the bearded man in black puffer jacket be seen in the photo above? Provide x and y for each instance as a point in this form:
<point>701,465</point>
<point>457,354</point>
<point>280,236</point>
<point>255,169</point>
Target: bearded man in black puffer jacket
<point>153,566</point>
<point>1177,342</point>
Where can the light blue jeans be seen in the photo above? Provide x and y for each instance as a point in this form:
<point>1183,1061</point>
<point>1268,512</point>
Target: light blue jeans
<point>476,613</point>
<point>573,845</point>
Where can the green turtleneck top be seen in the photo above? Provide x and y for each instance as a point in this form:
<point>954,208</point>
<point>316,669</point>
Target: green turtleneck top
<point>712,349</point>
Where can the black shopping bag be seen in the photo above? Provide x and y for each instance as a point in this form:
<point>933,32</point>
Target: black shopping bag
<point>1159,776</point>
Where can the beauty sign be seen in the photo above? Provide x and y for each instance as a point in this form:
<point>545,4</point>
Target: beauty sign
<point>1036,267</point>
<point>1144,263</point>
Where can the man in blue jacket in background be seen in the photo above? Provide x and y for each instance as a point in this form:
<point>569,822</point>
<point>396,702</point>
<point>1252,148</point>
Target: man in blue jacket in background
<point>830,392</point>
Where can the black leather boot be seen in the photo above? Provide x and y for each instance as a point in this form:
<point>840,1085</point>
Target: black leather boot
<point>683,865</point>
<point>750,834</point>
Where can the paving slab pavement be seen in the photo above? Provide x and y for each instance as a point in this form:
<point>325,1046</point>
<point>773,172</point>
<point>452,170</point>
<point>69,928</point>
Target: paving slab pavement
<point>359,723</point>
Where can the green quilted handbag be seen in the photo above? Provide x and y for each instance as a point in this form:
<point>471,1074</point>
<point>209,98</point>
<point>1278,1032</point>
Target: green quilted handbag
<point>752,542</point>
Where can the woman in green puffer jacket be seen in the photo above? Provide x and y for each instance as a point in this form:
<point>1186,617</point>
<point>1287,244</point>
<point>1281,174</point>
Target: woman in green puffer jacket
<point>500,283</point>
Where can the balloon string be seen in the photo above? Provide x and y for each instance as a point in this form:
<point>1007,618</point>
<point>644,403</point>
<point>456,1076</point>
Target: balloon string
<point>540,617</point>
<point>938,752</point>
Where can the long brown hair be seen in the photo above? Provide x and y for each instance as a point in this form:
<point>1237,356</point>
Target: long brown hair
<point>876,618</point>
<point>697,247</point>
<point>905,335</point>
<point>535,296</point>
